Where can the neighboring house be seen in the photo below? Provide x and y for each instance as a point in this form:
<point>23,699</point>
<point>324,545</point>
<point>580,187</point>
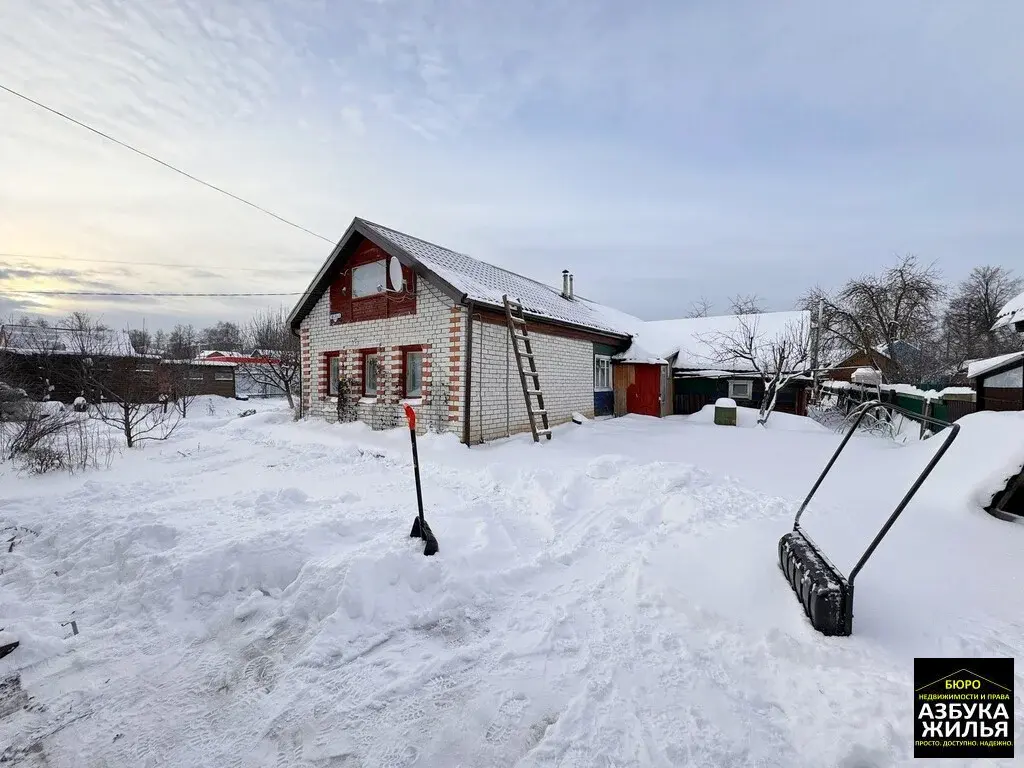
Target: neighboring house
<point>436,339</point>
<point>62,364</point>
<point>998,382</point>
<point>196,377</point>
<point>843,369</point>
<point>702,373</point>
<point>246,367</point>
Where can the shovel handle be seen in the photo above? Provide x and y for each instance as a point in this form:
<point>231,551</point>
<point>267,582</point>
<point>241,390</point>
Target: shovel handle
<point>410,416</point>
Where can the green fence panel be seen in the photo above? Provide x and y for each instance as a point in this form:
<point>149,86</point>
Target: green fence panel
<point>913,404</point>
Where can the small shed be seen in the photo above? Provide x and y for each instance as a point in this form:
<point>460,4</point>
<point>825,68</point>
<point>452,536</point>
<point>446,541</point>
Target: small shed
<point>998,382</point>
<point>643,388</point>
<point>642,383</point>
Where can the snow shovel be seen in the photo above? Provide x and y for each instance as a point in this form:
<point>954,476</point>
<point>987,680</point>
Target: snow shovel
<point>826,594</point>
<point>420,529</point>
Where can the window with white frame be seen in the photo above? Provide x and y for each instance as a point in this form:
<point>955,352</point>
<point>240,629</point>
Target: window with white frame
<point>195,374</point>
<point>223,373</point>
<point>602,373</point>
<point>413,373</point>
<point>145,367</point>
<point>370,374</point>
<point>741,389</point>
<point>367,278</point>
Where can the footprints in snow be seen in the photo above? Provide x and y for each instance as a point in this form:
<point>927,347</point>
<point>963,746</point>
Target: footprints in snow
<point>509,712</point>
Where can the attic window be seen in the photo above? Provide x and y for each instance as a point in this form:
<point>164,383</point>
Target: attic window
<point>366,279</point>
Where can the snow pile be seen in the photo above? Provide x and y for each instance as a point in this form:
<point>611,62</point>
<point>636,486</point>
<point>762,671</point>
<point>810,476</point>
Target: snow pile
<point>725,402</point>
<point>988,451</point>
<point>247,594</point>
<point>955,391</point>
<point>868,376</point>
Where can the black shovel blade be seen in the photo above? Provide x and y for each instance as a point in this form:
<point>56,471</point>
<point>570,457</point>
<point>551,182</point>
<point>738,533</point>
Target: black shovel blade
<point>824,592</point>
<point>428,536</point>
<point>416,533</point>
<point>8,648</point>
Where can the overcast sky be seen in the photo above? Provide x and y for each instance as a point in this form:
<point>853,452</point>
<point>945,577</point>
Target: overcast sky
<point>659,150</point>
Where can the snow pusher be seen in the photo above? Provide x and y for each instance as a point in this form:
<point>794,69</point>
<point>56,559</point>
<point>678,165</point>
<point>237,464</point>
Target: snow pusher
<point>420,529</point>
<point>826,594</point>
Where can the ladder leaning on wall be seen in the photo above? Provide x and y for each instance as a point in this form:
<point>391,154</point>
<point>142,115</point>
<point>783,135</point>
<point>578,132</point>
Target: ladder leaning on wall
<point>521,336</point>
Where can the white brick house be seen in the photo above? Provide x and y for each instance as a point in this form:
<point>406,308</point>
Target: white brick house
<point>438,340</point>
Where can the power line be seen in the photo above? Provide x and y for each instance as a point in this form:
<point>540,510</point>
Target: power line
<point>138,263</point>
<point>16,292</point>
<point>186,174</point>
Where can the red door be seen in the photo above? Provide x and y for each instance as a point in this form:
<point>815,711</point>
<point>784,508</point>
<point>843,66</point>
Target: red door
<point>644,395</point>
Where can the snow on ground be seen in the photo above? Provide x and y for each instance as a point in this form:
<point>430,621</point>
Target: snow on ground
<point>246,594</point>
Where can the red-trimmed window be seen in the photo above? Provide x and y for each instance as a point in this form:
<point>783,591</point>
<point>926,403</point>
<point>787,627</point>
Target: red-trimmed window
<point>370,372</point>
<point>412,372</point>
<point>333,373</point>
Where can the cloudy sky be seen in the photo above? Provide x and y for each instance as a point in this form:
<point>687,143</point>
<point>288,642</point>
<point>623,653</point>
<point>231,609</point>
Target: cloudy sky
<point>660,150</point>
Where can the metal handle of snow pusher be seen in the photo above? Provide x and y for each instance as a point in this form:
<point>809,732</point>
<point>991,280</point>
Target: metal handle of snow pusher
<point>864,408</point>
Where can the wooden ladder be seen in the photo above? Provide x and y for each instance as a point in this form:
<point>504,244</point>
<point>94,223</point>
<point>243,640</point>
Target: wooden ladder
<point>517,330</point>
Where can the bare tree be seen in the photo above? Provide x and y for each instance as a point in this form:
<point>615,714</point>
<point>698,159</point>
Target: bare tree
<point>874,312</point>
<point>746,305</point>
<point>87,336</point>
<point>223,336</point>
<point>699,308</point>
<point>129,403</point>
<point>183,343</point>
<point>183,389</point>
<point>776,359</point>
<point>277,352</point>
<point>141,339</point>
<point>159,345</point>
<point>973,310</point>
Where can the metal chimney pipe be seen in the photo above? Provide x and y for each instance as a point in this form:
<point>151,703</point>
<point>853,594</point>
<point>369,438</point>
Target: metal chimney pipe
<point>570,286</point>
<point>565,283</point>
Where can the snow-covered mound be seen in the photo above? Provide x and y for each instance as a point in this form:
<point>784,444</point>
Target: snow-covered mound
<point>747,417</point>
<point>247,594</point>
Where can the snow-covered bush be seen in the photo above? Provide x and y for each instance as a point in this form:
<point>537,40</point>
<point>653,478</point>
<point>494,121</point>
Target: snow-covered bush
<point>40,460</point>
<point>59,440</point>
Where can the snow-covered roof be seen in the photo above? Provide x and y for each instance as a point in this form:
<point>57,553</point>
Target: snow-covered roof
<point>1011,312</point>
<point>688,374</point>
<point>486,284</point>
<point>695,342</point>
<point>980,367</point>
<point>31,339</point>
<point>465,279</point>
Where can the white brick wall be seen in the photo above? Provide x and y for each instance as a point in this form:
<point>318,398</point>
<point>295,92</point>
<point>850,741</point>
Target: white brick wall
<point>497,405</point>
<point>436,316</point>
